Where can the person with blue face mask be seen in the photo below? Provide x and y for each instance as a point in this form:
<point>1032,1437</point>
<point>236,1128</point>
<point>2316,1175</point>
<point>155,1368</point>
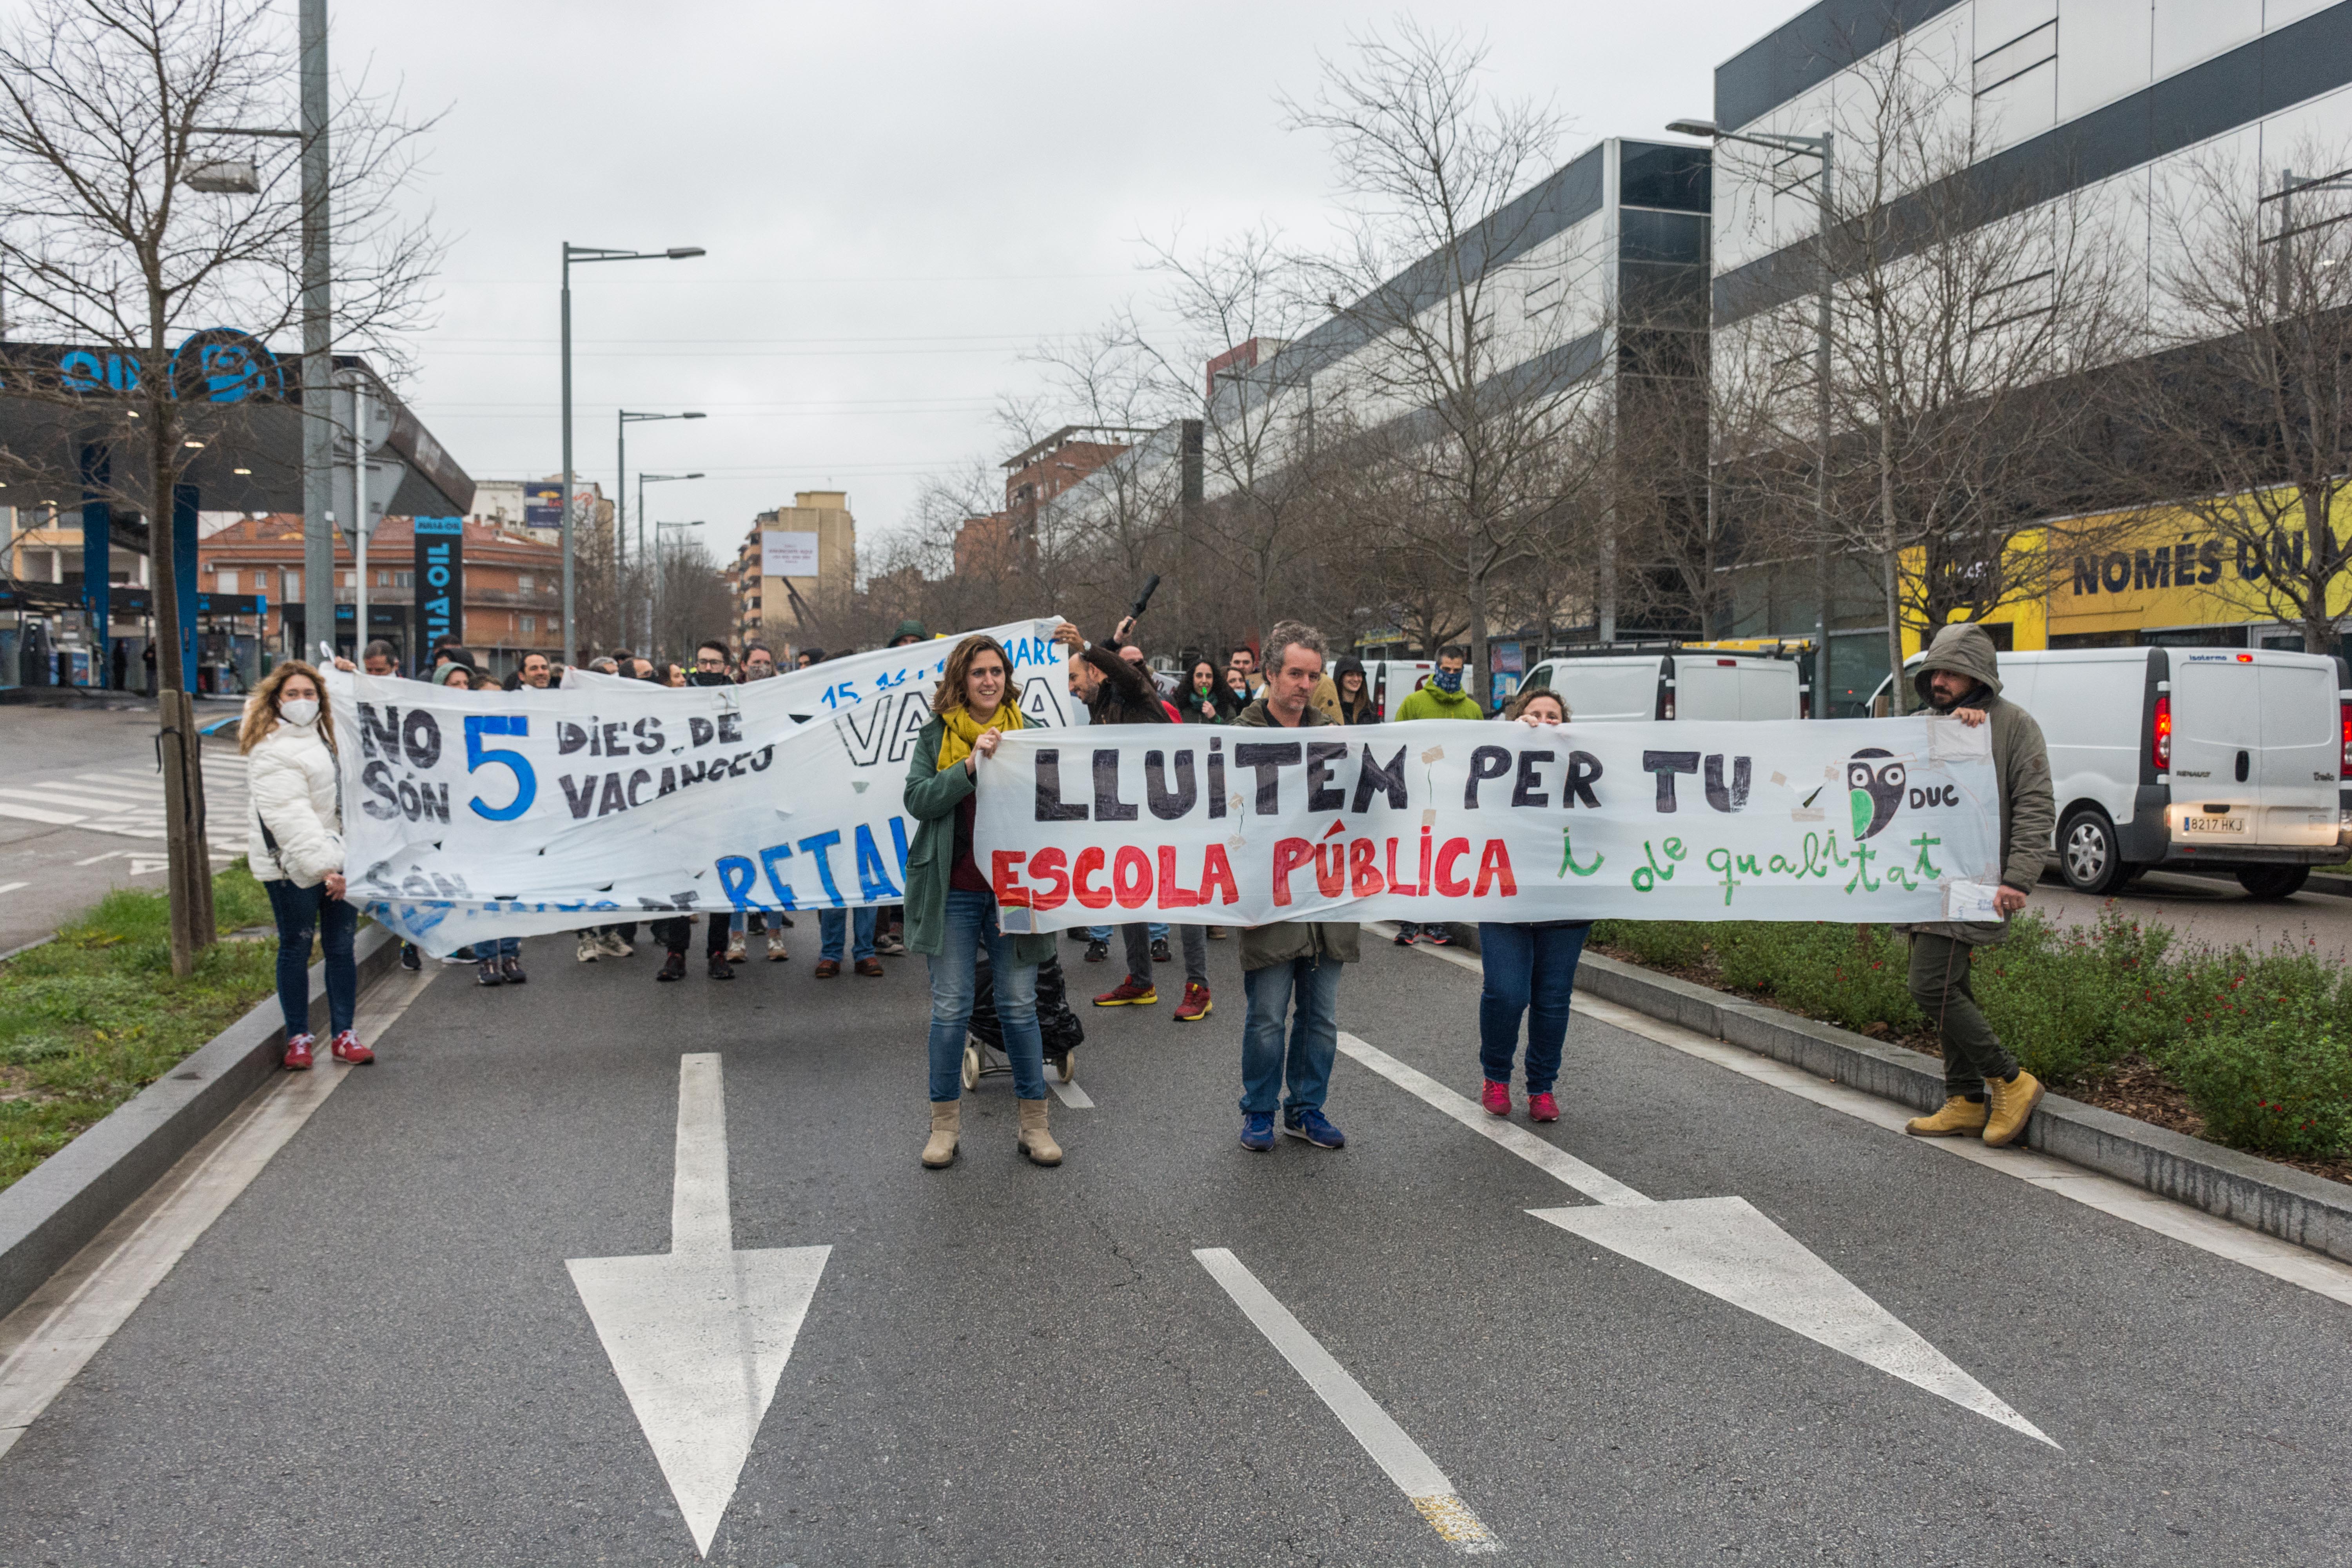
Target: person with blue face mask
<point>1440,696</point>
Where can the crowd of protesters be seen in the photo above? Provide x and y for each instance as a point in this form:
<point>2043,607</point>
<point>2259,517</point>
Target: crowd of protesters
<point>1291,970</point>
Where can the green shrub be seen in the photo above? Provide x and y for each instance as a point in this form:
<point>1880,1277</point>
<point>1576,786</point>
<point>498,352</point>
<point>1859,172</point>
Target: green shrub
<point>2282,1087</point>
<point>1852,976</point>
<point>1663,944</point>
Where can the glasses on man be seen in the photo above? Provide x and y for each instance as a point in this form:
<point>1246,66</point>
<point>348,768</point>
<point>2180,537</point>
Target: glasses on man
<point>708,662</point>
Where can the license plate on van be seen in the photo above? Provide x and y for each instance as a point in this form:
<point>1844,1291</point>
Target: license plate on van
<point>2195,822</point>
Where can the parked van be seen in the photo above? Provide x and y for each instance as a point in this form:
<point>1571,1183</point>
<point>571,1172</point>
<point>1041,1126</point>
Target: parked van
<point>1392,680</point>
<point>2224,759</point>
<point>1680,683</point>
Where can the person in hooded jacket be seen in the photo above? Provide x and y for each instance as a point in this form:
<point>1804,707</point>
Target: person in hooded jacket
<point>1355,693</point>
<point>1987,1093</point>
<point>294,844</point>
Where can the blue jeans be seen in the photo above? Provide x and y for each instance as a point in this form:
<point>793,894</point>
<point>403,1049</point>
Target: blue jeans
<point>300,911</point>
<point>1103,934</point>
<point>1314,1035</point>
<point>830,926</point>
<point>496,947</point>
<point>971,922</point>
<point>1530,970</point>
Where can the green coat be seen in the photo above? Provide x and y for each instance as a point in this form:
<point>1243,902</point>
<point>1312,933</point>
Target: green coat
<point>933,797</point>
<point>1430,703</point>
<point>1282,941</point>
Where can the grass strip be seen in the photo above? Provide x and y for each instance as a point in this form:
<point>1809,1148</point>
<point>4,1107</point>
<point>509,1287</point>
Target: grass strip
<point>90,1019</point>
<point>2250,1047</point>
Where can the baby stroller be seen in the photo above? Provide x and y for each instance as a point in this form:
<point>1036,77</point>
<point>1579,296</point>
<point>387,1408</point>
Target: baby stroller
<point>984,1047</point>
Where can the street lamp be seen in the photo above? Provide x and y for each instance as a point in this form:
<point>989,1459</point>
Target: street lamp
<point>1823,148</point>
<point>644,561</point>
<point>583,254</point>
<point>621,496</point>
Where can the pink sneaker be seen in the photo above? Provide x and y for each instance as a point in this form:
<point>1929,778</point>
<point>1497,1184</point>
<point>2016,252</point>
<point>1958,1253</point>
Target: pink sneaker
<point>1496,1098</point>
<point>1543,1108</point>
<point>298,1054</point>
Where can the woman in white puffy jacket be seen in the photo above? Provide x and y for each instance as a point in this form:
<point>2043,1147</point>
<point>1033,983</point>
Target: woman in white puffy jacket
<point>294,842</point>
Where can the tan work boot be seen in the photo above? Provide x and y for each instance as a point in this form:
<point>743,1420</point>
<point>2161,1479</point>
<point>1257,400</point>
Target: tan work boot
<point>1034,1140</point>
<point>2013,1101</point>
<point>941,1150</point>
<point>1959,1117</point>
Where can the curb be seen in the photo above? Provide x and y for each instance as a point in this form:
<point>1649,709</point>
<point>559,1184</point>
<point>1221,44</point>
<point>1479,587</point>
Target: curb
<point>65,1201</point>
<point>2277,1200</point>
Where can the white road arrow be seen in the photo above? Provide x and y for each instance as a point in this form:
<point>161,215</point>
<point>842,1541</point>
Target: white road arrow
<point>1724,1247</point>
<point>699,1336</point>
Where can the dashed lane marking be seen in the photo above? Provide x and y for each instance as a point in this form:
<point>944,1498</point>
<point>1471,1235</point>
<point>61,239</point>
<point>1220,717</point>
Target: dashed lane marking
<point>2313,1271</point>
<point>1415,1472</point>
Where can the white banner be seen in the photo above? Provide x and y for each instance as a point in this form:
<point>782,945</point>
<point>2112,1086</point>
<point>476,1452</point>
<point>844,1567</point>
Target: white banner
<point>468,816</point>
<point>1889,819</point>
<point>783,554</point>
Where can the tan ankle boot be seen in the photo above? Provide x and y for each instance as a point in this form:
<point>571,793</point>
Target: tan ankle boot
<point>1959,1117</point>
<point>2013,1101</point>
<point>1035,1142</point>
<point>940,1150</point>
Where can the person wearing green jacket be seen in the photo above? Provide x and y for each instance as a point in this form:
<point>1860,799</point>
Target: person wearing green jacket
<point>952,906</point>
<point>1440,696</point>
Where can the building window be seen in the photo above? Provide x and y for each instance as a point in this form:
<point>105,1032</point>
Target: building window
<point>522,583</point>
<point>530,624</point>
<point>404,579</point>
<point>293,585</point>
<point>383,579</point>
<point>351,580</point>
<point>225,580</point>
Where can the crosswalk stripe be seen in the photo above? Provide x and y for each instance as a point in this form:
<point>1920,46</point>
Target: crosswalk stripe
<point>32,814</point>
<point>61,799</point>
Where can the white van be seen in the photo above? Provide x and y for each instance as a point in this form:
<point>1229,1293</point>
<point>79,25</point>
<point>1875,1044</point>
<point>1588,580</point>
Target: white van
<point>1687,683</point>
<point>1392,680</point>
<point>2188,757</point>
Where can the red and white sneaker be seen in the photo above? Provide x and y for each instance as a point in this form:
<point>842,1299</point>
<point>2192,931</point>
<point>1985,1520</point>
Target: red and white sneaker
<point>1495,1098</point>
<point>298,1054</point>
<point>1543,1107</point>
<point>347,1048</point>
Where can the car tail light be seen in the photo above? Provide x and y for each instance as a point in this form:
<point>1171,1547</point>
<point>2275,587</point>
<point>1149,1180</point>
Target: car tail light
<point>2159,747</point>
<point>2344,762</point>
<point>1666,706</point>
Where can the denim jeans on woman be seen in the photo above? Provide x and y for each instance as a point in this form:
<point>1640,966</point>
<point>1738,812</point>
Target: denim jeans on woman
<point>300,911</point>
<point>1530,970</point>
<point>832,925</point>
<point>970,924</point>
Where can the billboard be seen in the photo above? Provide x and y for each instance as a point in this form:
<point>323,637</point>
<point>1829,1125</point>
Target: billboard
<point>786,554</point>
<point>542,506</point>
<point>440,582</point>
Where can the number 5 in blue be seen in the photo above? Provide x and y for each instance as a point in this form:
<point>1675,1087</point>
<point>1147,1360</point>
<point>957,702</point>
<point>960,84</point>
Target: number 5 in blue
<point>477,754</point>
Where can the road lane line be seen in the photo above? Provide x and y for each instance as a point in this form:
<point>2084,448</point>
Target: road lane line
<point>1398,1457</point>
<point>1074,1097</point>
<point>2314,1271</point>
<point>49,1338</point>
<point>37,813</point>
<point>1554,1161</point>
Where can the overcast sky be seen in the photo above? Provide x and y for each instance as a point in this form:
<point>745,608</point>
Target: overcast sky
<point>898,200</point>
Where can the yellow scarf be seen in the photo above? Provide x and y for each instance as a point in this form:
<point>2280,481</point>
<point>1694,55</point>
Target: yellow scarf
<point>964,729</point>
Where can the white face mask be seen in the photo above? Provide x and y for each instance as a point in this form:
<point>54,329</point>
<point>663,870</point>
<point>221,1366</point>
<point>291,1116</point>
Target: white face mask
<point>301,711</point>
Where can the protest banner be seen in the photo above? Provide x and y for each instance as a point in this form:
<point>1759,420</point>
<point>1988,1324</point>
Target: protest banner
<point>1849,820</point>
<point>468,816</point>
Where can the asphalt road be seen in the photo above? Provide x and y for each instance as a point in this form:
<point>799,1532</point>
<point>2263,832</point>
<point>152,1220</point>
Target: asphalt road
<point>81,810</point>
<point>377,1356</point>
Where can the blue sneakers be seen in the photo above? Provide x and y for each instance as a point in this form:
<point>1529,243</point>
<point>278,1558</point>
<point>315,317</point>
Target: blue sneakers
<point>1316,1128</point>
<point>1257,1131</point>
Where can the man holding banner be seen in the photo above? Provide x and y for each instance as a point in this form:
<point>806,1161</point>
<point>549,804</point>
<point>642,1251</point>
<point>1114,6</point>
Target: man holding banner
<point>1290,961</point>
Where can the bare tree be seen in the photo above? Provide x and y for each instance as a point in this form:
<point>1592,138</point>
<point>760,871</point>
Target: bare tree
<point>691,598</point>
<point>1472,368</point>
<point>1964,312</point>
<point>105,107</point>
<point>2246,407</point>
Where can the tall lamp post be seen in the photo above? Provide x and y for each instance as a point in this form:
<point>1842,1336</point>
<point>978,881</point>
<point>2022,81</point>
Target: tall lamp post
<point>621,499</point>
<point>1822,147</point>
<point>583,254</point>
<point>645,560</point>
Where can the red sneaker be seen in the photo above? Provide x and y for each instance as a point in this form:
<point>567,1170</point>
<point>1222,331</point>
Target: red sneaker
<point>347,1048</point>
<point>1195,1005</point>
<point>1128,993</point>
<point>1543,1107</point>
<point>1495,1098</point>
<point>298,1054</point>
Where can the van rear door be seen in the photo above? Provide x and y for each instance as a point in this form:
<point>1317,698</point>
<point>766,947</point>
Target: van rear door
<point>2216,730</point>
<point>2294,767</point>
<point>1603,690</point>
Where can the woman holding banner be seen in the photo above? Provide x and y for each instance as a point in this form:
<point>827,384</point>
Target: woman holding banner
<point>952,906</point>
<point>1530,971</point>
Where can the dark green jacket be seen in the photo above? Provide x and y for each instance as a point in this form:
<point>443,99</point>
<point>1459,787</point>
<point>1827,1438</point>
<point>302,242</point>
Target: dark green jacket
<point>2021,760</point>
<point>933,797</point>
<point>1284,941</point>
